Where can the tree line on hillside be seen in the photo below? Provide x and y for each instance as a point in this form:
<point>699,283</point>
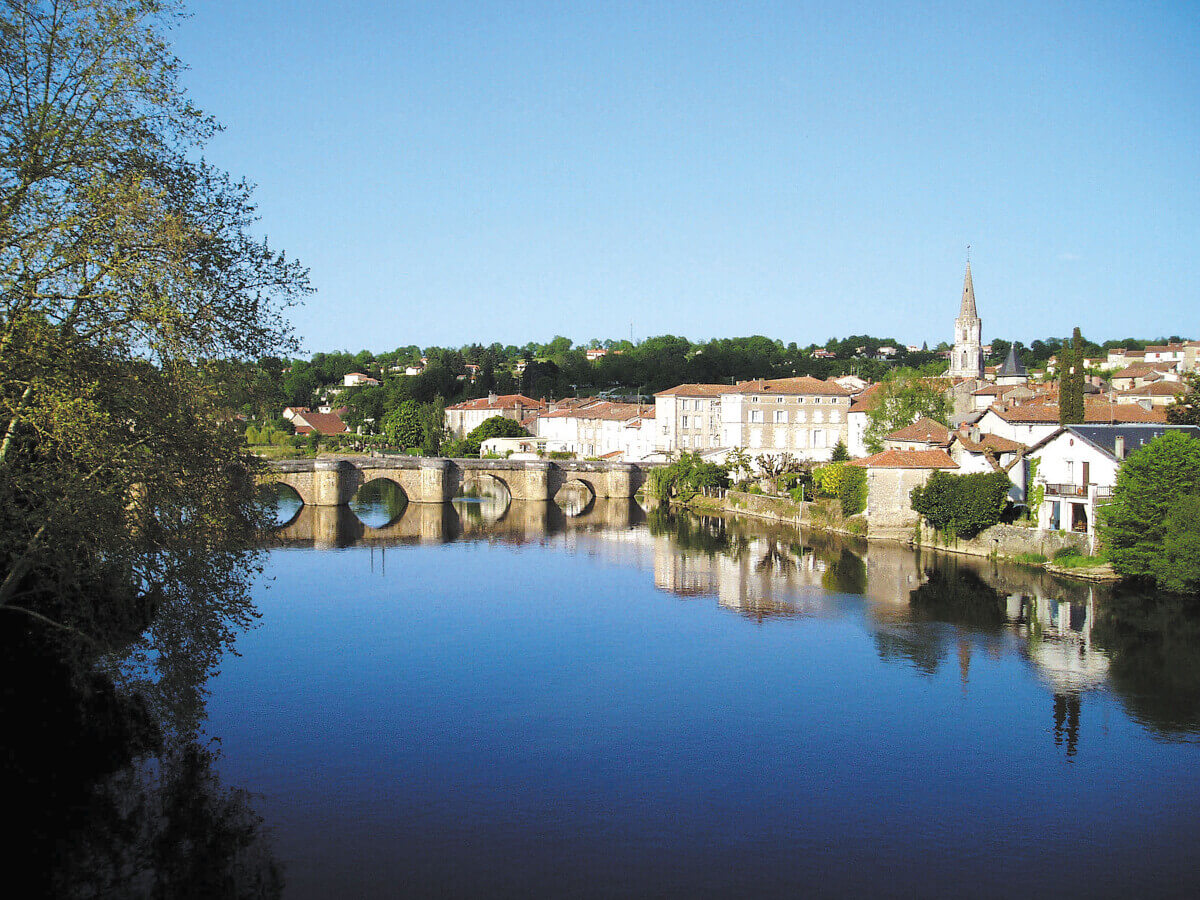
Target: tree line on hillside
<point>559,368</point>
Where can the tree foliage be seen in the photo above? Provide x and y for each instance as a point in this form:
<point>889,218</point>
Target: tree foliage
<point>901,401</point>
<point>1148,527</point>
<point>1070,382</point>
<point>686,476</point>
<point>1186,409</point>
<point>962,505</point>
<point>129,282</point>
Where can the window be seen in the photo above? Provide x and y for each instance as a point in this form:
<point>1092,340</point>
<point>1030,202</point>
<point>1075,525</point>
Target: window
<point>780,438</point>
<point>835,416</point>
<point>753,399</point>
<point>756,415</point>
<point>697,404</point>
<point>756,437</point>
<point>818,416</point>
<point>801,438</point>
<point>683,422</point>
<point>801,416</point>
<point>687,440</point>
<point>781,417</point>
<point>779,399</point>
<point>819,438</point>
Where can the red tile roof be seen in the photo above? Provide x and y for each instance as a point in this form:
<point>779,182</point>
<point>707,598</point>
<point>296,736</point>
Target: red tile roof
<point>907,459</point>
<point>924,430</point>
<point>505,401</point>
<point>804,384</point>
<point>866,401</point>
<point>988,442</point>
<point>1096,412</point>
<point>322,423</point>
<point>697,390</point>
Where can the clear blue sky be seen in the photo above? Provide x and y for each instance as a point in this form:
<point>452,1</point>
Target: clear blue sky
<point>457,172</point>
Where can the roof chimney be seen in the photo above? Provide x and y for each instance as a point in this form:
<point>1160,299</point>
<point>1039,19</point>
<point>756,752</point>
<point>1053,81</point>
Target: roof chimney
<point>1119,446</point>
<point>491,397</point>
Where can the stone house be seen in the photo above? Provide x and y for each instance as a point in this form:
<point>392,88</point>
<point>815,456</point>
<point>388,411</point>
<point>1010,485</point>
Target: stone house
<point>804,416</point>
<point>891,476</point>
<point>688,417</point>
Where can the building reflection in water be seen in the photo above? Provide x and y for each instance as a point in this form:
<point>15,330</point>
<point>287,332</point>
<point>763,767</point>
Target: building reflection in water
<point>923,608</point>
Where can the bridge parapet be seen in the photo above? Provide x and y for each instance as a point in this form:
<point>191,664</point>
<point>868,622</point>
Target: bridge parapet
<point>333,481</point>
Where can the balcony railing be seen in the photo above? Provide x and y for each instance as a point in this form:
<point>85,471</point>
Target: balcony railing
<point>1067,490</point>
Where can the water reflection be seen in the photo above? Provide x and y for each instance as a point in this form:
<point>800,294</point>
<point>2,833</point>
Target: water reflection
<point>378,503</point>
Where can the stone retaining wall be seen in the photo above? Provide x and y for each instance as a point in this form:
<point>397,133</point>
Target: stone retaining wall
<point>1008,541</point>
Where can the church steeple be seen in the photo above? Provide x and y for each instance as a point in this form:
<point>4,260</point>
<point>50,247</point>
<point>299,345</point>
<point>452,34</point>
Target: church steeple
<point>968,301</point>
<point>967,359</point>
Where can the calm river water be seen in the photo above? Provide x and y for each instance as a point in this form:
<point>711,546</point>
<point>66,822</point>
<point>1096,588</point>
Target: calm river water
<point>492,700</point>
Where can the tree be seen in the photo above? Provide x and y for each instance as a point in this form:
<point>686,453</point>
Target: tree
<point>840,453</point>
<point>497,426</point>
<point>962,505</point>
<point>403,425</point>
<point>1149,510</point>
<point>128,280</point>
<point>1070,382</point>
<point>1186,408</point>
<point>901,401</point>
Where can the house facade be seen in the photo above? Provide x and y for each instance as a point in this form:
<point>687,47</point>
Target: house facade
<point>463,418</point>
<point>1077,469</point>
<point>804,416</point>
<point>688,417</point>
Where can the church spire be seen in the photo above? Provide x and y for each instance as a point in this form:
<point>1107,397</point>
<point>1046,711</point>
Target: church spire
<point>968,301</point>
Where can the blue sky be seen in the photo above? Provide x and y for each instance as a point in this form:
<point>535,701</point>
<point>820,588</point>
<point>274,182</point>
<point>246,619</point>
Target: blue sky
<point>457,172</point>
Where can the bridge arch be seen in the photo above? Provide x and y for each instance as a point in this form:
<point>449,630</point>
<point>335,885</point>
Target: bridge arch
<point>286,500</point>
<point>575,496</point>
<point>379,501</point>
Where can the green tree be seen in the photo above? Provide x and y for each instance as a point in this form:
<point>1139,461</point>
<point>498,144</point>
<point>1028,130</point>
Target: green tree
<point>902,400</point>
<point>403,425</point>
<point>128,281</point>
<point>1070,382</point>
<point>1151,502</point>
<point>962,505</point>
<point>1186,408</point>
<point>840,453</point>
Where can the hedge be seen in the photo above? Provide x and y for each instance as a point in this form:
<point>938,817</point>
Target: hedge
<point>962,505</point>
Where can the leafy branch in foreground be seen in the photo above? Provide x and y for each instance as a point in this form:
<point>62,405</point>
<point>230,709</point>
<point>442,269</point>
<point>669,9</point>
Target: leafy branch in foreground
<point>128,275</point>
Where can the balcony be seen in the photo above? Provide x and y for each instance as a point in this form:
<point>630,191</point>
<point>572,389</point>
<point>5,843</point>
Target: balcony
<point>1067,490</point>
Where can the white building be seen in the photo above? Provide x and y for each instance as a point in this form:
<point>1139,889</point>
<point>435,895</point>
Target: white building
<point>601,429</point>
<point>463,418</point>
<point>688,417</point>
<point>804,416</point>
<point>358,379</point>
<point>1077,466</point>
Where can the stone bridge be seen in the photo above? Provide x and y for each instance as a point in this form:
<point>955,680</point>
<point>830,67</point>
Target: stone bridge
<point>333,481</point>
<point>338,526</point>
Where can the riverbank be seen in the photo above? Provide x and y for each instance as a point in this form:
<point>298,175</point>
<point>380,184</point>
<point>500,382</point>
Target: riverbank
<point>1061,552</point>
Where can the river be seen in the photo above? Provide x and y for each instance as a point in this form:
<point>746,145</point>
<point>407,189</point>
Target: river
<point>507,700</point>
<point>512,700</point>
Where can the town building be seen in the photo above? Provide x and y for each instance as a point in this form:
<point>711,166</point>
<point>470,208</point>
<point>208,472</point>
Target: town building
<point>1028,423</point>
<point>463,418</point>
<point>1077,468</point>
<point>805,416</point>
<point>891,476</point>
<point>324,423</point>
<point>358,379</point>
<point>688,417</point>
<point>600,429</point>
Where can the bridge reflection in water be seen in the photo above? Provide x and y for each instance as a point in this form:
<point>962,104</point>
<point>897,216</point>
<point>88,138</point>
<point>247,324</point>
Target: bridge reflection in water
<point>324,527</point>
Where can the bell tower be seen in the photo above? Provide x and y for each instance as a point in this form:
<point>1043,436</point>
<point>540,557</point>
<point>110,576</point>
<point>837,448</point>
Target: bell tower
<point>966,361</point>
